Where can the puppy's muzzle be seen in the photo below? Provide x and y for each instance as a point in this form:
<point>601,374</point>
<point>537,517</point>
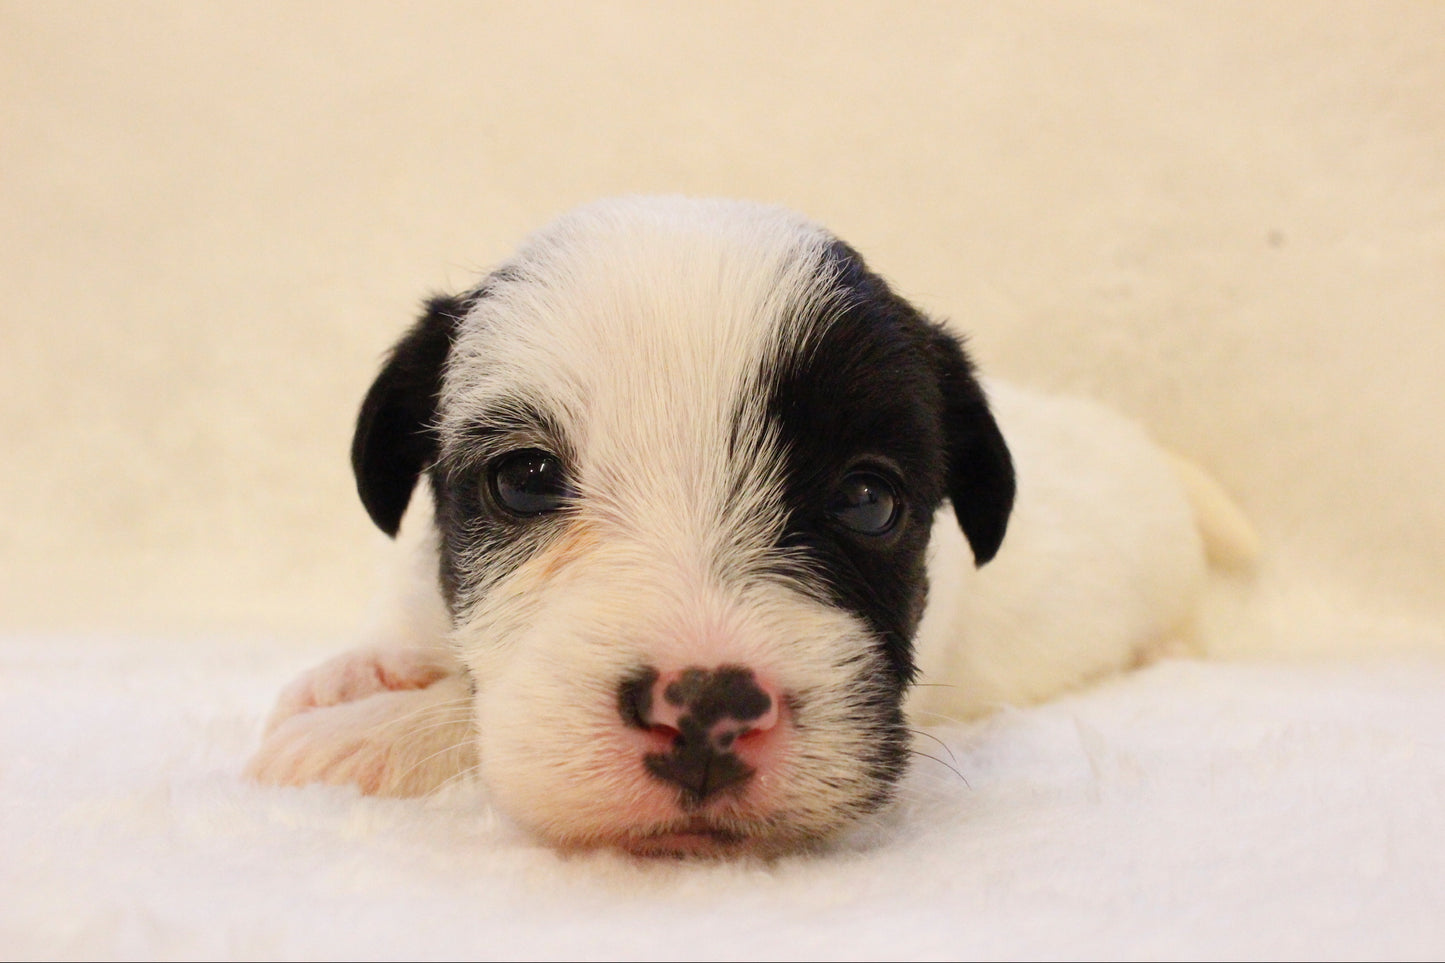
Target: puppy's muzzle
<point>705,724</point>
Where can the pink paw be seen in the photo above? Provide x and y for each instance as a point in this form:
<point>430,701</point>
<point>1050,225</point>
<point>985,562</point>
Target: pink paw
<point>355,675</point>
<point>391,722</point>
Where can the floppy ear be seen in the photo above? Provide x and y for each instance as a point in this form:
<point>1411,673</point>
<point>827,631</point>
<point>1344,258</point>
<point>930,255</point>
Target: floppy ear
<point>395,438</point>
<point>980,471</point>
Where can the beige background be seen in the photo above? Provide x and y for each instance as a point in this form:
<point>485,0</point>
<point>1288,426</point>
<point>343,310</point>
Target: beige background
<point>1227,219</point>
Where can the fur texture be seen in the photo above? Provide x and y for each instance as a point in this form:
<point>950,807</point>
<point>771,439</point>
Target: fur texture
<point>674,442</point>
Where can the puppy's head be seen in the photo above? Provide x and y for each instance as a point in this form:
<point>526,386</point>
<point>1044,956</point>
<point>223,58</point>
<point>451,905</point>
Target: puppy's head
<point>685,457</point>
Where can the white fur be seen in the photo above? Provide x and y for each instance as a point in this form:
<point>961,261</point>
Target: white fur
<point>666,561</point>
<point>1103,564</point>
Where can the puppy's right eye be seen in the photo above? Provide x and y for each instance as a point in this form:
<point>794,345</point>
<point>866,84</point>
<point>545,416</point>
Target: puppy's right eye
<point>529,482</point>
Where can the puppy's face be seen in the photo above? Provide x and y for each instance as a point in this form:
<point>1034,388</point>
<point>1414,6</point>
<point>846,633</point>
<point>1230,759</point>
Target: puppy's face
<point>685,457</point>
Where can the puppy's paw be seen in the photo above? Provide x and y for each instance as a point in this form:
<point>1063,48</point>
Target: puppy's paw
<point>405,742</point>
<point>357,674</point>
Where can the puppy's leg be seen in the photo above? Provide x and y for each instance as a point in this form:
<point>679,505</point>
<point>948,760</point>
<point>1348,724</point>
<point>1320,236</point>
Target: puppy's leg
<point>395,721</point>
<point>391,742</point>
<point>360,673</point>
<point>393,718</point>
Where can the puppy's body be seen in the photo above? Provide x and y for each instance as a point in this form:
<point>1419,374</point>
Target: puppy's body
<point>1102,567</point>
<point>686,459</point>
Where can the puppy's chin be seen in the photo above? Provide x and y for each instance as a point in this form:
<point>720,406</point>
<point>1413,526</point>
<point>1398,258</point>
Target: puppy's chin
<point>686,841</point>
<point>750,831</point>
<point>701,838</point>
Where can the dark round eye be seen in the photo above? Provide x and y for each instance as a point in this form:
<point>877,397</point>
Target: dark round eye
<point>529,482</point>
<point>865,502</point>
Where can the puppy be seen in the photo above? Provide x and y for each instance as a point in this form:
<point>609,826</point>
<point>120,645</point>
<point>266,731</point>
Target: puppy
<point>704,499</point>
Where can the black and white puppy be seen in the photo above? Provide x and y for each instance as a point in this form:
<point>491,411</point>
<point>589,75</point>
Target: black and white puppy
<point>706,499</point>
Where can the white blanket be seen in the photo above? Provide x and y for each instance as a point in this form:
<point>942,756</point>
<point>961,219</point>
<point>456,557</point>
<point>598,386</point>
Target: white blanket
<point>1191,810</point>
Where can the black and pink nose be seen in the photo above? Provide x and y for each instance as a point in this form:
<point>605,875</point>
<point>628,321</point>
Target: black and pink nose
<point>702,719</point>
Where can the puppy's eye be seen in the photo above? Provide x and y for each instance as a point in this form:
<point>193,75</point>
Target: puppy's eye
<point>529,482</point>
<point>866,503</point>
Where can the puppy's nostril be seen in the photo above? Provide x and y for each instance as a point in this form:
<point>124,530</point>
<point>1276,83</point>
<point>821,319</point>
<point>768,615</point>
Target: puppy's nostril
<point>634,698</point>
<point>745,736</point>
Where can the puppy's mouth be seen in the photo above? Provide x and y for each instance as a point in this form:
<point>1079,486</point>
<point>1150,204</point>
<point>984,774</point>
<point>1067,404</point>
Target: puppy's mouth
<point>691,838</point>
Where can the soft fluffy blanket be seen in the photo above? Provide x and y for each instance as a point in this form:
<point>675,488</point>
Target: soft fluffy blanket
<point>1193,809</point>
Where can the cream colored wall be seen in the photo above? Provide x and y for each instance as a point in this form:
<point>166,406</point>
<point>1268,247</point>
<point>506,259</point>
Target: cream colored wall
<point>1228,219</point>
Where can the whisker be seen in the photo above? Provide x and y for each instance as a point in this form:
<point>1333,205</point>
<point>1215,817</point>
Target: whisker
<point>474,768</point>
<point>929,735</point>
<point>453,747</point>
<point>442,724</point>
<point>941,718</point>
<point>459,706</point>
<point>945,765</point>
<point>455,706</point>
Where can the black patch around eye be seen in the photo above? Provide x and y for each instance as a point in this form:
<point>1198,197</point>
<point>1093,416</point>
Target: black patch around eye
<point>498,481</point>
<point>860,392</point>
<point>529,482</point>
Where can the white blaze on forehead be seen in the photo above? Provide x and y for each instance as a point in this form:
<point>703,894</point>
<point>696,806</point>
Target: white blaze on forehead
<point>640,329</point>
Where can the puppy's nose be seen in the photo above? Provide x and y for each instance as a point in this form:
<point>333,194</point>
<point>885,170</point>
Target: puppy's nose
<point>703,718</point>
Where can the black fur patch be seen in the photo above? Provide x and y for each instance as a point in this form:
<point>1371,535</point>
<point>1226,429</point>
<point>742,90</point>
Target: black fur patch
<point>395,440</point>
<point>981,483</point>
<point>881,387</point>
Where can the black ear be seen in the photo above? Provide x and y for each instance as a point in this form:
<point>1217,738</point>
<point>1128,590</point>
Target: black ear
<point>395,438</point>
<point>980,471</point>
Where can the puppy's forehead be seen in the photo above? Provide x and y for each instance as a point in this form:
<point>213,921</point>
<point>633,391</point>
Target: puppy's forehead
<point>644,327</point>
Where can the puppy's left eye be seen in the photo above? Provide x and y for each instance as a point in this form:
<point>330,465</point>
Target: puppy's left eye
<point>529,482</point>
<point>866,503</point>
